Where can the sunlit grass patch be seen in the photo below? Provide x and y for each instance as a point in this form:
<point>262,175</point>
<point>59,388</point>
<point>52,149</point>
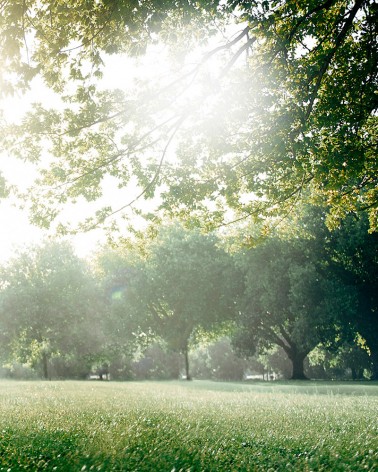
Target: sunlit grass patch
<point>197,426</point>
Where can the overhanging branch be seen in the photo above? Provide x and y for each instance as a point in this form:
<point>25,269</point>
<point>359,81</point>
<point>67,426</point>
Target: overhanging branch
<point>338,42</point>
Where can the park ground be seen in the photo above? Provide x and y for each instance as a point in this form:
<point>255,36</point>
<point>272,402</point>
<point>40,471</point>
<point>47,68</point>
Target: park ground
<point>188,426</point>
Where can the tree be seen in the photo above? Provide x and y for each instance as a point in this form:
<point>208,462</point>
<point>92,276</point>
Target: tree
<point>217,361</point>
<point>157,362</point>
<point>184,288</point>
<point>49,308</point>
<point>296,120</point>
<point>289,301</point>
<point>354,252</point>
<point>349,357</point>
<point>117,271</point>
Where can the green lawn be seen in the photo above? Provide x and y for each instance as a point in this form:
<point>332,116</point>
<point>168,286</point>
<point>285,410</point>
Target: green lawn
<point>196,426</point>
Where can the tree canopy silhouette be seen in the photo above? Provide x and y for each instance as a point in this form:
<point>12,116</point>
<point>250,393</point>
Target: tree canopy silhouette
<point>289,112</point>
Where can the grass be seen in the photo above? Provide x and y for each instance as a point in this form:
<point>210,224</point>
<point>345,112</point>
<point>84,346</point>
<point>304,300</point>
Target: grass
<point>196,426</point>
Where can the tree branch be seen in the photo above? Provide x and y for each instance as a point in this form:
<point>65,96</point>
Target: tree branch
<point>274,336</point>
<point>118,156</point>
<point>338,41</point>
<point>152,182</point>
<point>236,56</point>
<point>264,205</point>
<point>323,6</point>
<point>223,47</point>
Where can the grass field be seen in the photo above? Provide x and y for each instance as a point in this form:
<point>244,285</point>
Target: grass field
<point>196,426</point>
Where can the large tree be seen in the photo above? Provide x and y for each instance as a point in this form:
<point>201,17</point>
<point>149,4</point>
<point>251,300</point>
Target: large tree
<point>49,308</point>
<point>354,254</point>
<point>296,119</point>
<point>184,289</point>
<point>290,300</point>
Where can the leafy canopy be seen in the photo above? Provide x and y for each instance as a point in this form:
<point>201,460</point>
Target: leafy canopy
<point>49,306</point>
<point>295,120</point>
<point>290,299</point>
<point>184,287</point>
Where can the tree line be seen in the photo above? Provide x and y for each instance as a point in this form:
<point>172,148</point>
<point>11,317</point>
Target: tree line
<point>282,112</point>
<point>304,290</point>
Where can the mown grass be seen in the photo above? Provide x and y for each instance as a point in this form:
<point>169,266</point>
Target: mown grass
<point>196,426</point>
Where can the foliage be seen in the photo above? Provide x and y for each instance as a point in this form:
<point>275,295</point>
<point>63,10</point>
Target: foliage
<point>297,121</point>
<point>275,364</point>
<point>57,40</point>
<point>307,286</point>
<point>157,363</point>
<point>49,308</point>
<point>183,289</point>
<point>350,361</point>
<point>200,425</point>
<point>289,300</point>
<point>355,254</point>
<point>116,271</point>
<point>218,361</point>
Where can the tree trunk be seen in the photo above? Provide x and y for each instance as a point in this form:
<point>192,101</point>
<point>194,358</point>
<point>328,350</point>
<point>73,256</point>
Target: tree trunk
<point>45,366</point>
<point>354,373</point>
<point>297,361</point>
<point>186,355</point>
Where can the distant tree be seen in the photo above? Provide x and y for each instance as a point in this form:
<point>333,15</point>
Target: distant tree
<point>354,253</point>
<point>276,363</point>
<point>224,363</point>
<point>48,307</point>
<point>288,300</point>
<point>116,271</point>
<point>157,362</point>
<point>350,360</point>
<point>183,288</point>
<point>217,360</point>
